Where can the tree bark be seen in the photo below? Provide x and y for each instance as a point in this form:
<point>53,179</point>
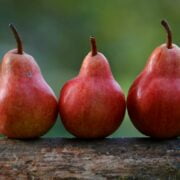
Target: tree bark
<point>111,158</point>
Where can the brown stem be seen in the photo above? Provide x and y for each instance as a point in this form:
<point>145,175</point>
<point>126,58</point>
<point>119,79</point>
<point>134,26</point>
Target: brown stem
<point>93,46</point>
<point>18,39</point>
<point>169,33</point>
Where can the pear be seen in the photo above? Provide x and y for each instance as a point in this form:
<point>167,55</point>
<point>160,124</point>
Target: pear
<point>28,106</point>
<point>92,105</point>
<point>154,97</point>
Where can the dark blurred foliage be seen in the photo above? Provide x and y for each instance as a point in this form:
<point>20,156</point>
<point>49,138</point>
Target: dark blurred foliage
<point>56,33</point>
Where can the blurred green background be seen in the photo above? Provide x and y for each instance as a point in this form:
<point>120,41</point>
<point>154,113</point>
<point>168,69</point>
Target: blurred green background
<point>56,33</point>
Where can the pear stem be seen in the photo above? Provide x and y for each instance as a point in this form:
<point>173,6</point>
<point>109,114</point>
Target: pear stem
<point>93,46</point>
<point>169,33</point>
<point>18,39</point>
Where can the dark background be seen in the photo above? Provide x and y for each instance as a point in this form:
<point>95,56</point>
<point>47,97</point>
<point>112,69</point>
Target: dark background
<point>56,33</point>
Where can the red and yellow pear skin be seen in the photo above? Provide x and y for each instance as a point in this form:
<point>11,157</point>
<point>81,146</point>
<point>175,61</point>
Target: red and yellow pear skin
<point>154,97</point>
<point>28,106</point>
<point>92,105</point>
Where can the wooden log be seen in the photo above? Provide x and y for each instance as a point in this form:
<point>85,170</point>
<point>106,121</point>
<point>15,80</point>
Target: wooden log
<point>111,158</point>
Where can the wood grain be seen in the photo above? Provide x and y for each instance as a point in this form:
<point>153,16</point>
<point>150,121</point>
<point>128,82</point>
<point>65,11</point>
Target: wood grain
<point>117,158</point>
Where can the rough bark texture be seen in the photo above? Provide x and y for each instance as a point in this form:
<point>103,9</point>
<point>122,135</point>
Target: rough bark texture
<point>59,158</point>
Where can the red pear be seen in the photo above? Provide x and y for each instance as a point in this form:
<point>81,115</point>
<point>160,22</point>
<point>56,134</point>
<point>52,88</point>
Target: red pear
<point>92,105</point>
<point>154,98</point>
<point>28,106</point>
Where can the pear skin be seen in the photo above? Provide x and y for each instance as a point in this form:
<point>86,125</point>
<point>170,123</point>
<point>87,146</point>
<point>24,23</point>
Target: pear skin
<point>28,106</point>
<point>154,97</point>
<point>92,105</point>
